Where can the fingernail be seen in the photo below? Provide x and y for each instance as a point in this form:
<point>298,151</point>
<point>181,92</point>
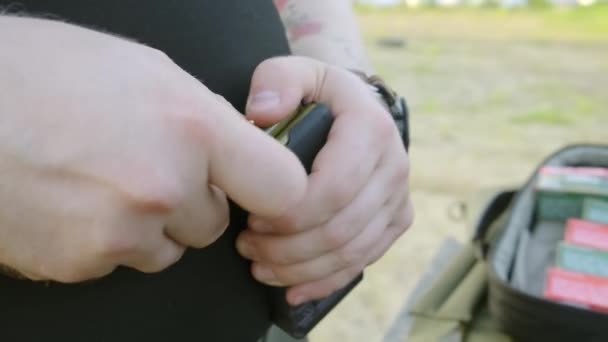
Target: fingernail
<point>245,248</point>
<point>297,300</point>
<point>265,275</point>
<point>260,226</point>
<point>264,100</point>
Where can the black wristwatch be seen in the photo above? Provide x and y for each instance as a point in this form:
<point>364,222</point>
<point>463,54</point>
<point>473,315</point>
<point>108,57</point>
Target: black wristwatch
<point>394,103</point>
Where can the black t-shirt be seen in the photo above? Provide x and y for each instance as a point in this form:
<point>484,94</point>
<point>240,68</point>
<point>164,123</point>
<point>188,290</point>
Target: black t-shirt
<point>209,295</point>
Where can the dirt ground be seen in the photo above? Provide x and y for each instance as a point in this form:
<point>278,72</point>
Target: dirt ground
<point>490,96</point>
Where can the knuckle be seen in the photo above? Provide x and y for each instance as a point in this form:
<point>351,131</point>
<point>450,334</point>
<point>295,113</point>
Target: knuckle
<point>203,240</point>
<point>401,172</point>
<point>152,268</point>
<point>150,192</point>
<point>69,276</point>
<point>154,195</point>
<point>327,290</point>
<point>223,219</point>
<point>347,276</point>
<point>335,235</point>
<point>206,240</point>
<point>71,273</point>
<point>187,109</point>
<point>342,279</point>
<point>295,195</point>
<point>351,273</point>
<point>403,167</point>
<point>199,222</point>
<point>109,245</point>
<point>66,275</point>
<point>348,256</point>
<point>404,221</point>
<point>277,252</point>
<point>15,272</point>
<point>277,256</point>
<point>408,220</point>
<point>340,193</point>
<point>262,250</point>
<point>286,276</point>
<point>161,261</point>
<point>384,124</point>
<point>192,127</point>
<point>217,229</point>
<point>275,64</point>
<point>290,222</point>
<point>290,192</point>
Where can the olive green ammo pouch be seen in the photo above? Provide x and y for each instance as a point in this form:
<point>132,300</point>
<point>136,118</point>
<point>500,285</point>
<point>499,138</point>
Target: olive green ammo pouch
<point>455,308</point>
<point>492,290</point>
<point>519,259</point>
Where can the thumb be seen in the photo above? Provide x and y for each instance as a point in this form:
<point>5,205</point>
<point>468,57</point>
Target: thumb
<point>275,92</point>
<point>279,85</point>
<point>255,171</point>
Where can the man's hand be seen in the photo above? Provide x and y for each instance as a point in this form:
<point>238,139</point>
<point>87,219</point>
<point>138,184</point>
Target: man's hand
<point>112,155</point>
<point>357,200</point>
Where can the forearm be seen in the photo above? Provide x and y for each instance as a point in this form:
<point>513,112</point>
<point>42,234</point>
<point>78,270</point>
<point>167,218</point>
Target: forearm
<point>324,30</point>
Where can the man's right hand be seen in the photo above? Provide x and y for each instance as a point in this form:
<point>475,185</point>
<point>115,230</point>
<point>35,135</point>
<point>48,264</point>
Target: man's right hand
<point>111,155</point>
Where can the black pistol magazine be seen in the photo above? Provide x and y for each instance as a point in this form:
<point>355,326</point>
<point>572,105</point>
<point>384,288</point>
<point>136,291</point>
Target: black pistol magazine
<point>305,133</point>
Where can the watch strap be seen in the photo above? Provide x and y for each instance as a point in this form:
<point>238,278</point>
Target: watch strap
<point>395,104</point>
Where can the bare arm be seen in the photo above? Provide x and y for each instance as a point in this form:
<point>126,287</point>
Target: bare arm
<point>324,30</point>
<point>69,165</point>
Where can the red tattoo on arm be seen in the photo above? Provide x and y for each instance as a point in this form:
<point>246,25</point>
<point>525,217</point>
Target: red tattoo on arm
<point>280,4</point>
<point>303,29</point>
<point>297,23</point>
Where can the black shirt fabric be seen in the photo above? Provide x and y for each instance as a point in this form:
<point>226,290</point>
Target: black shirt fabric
<point>209,295</point>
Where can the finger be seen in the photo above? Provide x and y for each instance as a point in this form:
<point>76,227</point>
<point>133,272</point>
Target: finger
<point>389,176</point>
<point>255,171</point>
<point>403,220</point>
<point>275,91</point>
<point>389,181</point>
<point>353,253</point>
<point>140,243</point>
<point>135,241</point>
<point>280,84</point>
<point>286,249</point>
<point>339,173</point>
<point>333,183</point>
<point>157,252</point>
<point>322,288</point>
<point>357,137</point>
<point>200,218</point>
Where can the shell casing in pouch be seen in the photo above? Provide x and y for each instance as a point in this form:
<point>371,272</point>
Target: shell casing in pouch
<point>563,192</point>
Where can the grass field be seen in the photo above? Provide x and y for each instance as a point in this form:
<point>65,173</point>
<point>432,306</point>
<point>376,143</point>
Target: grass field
<point>491,93</point>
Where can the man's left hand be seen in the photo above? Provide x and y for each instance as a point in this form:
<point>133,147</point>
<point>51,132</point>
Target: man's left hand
<point>357,200</point>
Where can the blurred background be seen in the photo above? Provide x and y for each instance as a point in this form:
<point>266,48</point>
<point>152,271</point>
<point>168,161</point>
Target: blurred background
<point>493,87</point>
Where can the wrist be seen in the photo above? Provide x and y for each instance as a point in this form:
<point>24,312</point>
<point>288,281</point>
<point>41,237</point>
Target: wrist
<point>394,103</point>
